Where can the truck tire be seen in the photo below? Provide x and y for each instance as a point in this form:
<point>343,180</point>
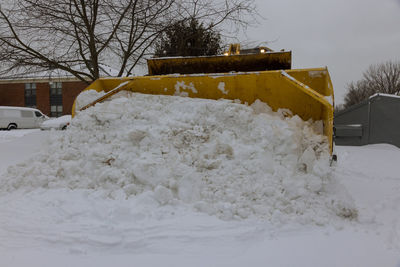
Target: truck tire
<point>11,126</point>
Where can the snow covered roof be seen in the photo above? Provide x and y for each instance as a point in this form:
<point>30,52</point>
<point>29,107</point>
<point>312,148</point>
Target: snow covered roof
<point>384,95</point>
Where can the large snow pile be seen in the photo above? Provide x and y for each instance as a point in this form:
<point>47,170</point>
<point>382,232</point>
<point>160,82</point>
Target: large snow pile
<point>219,157</point>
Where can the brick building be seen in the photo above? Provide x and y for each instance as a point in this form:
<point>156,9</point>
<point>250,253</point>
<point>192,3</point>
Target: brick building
<point>53,92</point>
<point>54,97</point>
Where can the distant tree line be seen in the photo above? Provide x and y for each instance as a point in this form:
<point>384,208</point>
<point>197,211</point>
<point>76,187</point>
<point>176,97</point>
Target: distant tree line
<point>379,78</point>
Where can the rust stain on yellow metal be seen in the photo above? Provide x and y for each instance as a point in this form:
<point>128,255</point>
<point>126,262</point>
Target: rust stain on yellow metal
<point>303,91</point>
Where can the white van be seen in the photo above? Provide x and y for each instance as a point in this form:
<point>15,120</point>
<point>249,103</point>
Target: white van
<point>20,117</point>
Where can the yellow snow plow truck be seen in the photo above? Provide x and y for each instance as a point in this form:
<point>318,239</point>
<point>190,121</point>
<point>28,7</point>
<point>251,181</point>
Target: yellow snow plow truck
<point>245,75</point>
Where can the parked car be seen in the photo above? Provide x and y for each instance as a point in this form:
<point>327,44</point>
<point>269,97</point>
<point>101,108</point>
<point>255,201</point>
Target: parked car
<point>20,117</point>
<point>60,123</point>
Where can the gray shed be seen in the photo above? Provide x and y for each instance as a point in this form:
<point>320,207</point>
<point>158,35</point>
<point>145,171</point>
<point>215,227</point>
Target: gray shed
<point>375,120</point>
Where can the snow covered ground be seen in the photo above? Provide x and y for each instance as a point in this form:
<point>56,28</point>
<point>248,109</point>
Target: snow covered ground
<point>49,219</point>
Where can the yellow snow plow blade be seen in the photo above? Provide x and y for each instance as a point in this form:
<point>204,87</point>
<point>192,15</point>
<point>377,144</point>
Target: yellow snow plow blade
<point>220,64</point>
<point>307,93</point>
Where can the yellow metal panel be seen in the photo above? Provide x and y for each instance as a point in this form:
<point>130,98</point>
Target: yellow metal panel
<point>305,92</point>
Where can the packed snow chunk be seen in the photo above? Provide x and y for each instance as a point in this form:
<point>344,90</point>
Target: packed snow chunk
<point>87,97</point>
<point>162,194</point>
<point>223,158</point>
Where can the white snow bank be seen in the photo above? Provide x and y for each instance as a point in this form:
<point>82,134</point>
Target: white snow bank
<point>7,136</point>
<point>222,158</point>
<point>13,149</point>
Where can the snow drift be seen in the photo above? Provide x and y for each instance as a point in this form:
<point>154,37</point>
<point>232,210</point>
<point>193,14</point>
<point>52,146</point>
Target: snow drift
<point>223,158</point>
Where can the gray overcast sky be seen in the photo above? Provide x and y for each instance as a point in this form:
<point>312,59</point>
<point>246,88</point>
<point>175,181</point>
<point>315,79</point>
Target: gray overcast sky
<point>345,35</point>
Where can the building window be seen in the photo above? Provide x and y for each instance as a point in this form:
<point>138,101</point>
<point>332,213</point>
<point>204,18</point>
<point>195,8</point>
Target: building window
<point>30,95</point>
<point>56,106</point>
<point>56,110</point>
<point>56,88</point>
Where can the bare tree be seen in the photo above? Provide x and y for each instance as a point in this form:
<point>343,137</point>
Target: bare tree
<point>381,78</point>
<point>78,36</point>
<point>357,92</point>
